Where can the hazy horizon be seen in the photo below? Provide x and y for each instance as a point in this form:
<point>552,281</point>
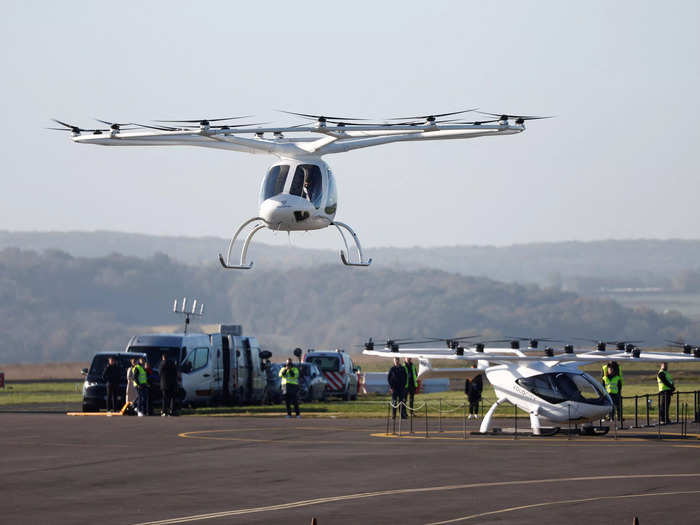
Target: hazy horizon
<point>619,160</point>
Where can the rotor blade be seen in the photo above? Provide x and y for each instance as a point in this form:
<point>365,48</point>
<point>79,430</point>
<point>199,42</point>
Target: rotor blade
<point>318,116</point>
<point>195,121</point>
<point>69,126</point>
<point>159,128</point>
<point>434,115</point>
<point>509,116</point>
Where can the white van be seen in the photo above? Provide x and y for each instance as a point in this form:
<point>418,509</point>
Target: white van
<point>224,367</point>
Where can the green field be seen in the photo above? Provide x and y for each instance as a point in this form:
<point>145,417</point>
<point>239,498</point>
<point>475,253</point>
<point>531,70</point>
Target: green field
<point>638,381</point>
<point>40,393</point>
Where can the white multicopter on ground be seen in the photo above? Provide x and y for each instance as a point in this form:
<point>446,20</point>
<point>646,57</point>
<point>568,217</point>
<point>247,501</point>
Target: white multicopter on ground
<point>549,387</point>
<point>299,192</point>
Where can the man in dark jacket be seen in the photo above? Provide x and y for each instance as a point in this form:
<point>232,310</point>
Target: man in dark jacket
<point>397,383</point>
<point>168,385</point>
<point>474,389</point>
<point>112,375</point>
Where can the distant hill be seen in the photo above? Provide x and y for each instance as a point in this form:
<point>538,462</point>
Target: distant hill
<point>57,307</point>
<point>584,267</point>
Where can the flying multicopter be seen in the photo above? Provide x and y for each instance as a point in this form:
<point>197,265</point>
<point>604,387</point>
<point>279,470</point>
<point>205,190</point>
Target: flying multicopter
<point>549,387</point>
<point>299,192</point>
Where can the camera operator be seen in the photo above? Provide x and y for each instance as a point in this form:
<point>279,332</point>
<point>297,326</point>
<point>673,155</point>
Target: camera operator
<point>290,386</point>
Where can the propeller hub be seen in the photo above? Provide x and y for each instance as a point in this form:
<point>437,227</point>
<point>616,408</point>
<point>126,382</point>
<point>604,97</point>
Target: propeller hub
<point>479,347</point>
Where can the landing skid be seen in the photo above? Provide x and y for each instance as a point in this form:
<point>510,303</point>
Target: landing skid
<point>242,265</point>
<point>358,247</point>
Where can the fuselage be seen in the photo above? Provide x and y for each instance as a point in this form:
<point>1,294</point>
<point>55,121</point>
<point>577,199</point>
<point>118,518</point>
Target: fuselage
<point>298,195</point>
<point>558,393</point>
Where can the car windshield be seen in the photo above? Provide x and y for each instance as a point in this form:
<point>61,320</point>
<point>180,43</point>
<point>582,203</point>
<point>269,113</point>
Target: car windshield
<point>563,386</point>
<point>99,363</point>
<point>325,363</point>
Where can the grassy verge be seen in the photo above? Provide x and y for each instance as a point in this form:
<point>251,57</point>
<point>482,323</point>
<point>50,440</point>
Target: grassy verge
<point>366,406</point>
<point>40,393</point>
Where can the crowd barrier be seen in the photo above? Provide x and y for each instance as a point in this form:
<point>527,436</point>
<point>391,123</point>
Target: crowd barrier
<point>427,417</point>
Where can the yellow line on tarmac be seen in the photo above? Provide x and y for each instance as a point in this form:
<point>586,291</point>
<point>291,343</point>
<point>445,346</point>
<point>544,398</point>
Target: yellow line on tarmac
<point>563,502</point>
<point>364,495</point>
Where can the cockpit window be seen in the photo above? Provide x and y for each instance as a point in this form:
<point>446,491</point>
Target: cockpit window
<point>563,386</point>
<point>332,201</point>
<point>308,183</point>
<point>274,181</point>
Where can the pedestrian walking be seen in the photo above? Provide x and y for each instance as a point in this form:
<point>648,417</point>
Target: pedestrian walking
<point>411,383</point>
<point>474,389</point>
<point>290,387</point>
<point>132,393</point>
<point>666,388</point>
<point>112,377</point>
<point>141,383</point>
<point>397,384</point>
<point>167,370</point>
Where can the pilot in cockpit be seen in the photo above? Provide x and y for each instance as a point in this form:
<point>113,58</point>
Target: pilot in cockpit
<point>306,190</point>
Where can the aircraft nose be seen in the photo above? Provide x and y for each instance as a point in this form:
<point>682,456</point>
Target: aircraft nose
<point>275,212</point>
<point>285,211</point>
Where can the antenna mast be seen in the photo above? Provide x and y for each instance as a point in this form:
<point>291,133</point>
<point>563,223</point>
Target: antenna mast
<point>192,312</point>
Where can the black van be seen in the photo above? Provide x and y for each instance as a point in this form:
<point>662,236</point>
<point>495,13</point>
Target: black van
<point>94,388</point>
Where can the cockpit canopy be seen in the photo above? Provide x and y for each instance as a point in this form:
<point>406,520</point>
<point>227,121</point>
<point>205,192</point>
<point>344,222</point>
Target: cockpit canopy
<point>311,181</point>
<point>557,387</point>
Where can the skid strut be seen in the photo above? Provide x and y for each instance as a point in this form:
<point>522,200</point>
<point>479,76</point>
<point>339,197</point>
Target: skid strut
<point>358,246</point>
<point>226,263</point>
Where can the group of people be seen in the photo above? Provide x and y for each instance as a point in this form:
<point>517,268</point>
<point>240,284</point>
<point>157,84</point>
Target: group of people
<point>403,384</point>
<point>138,386</point>
<point>613,380</point>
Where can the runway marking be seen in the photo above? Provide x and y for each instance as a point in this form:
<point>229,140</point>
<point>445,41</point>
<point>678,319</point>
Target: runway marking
<point>591,441</point>
<point>563,502</point>
<point>582,441</point>
<point>364,495</point>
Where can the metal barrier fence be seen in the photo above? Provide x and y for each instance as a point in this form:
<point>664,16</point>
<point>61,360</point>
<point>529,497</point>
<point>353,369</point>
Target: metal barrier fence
<point>672,409</point>
<point>428,417</point>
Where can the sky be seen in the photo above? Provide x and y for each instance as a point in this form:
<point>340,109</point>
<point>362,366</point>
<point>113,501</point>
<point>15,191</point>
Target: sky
<point>620,160</point>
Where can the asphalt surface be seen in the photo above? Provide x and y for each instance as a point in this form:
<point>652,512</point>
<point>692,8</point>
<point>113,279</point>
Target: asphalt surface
<point>61,469</point>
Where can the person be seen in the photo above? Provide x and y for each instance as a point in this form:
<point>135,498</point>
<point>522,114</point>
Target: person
<point>290,386</point>
<point>611,380</point>
<point>397,384</point>
<point>666,388</point>
<point>112,377</point>
<point>306,190</point>
<point>132,393</point>
<point>617,371</point>
<point>167,370</point>
<point>411,383</point>
<point>141,384</point>
<point>474,389</point>
<point>149,375</point>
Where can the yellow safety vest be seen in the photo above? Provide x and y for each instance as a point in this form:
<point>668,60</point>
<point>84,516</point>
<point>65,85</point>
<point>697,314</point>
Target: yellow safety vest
<point>619,368</point>
<point>140,375</point>
<point>612,384</point>
<point>289,377</point>
<point>663,387</point>
<point>411,377</point>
